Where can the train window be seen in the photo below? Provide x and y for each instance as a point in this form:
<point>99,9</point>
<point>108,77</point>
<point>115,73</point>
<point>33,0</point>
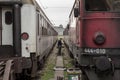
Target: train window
<point>49,33</point>
<point>95,5</point>
<point>40,20</point>
<point>8,17</point>
<point>102,5</point>
<point>44,22</point>
<point>38,24</point>
<point>44,31</point>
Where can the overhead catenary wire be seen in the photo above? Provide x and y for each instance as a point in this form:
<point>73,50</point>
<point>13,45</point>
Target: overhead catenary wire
<point>56,7</point>
<point>44,9</point>
<point>53,9</point>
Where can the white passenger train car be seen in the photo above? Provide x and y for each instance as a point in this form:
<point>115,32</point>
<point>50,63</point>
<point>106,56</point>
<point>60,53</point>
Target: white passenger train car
<point>26,34</point>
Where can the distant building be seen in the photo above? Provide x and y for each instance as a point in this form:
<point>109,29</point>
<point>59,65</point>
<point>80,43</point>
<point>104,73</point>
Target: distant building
<point>59,29</point>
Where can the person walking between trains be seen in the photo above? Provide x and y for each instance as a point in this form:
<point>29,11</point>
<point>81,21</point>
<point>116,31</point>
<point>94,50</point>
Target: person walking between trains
<point>59,45</point>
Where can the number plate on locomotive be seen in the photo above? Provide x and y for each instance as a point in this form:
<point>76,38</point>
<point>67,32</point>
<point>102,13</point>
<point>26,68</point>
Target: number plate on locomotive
<point>97,51</point>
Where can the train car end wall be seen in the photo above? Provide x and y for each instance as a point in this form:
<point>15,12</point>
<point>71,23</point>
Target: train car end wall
<point>28,24</point>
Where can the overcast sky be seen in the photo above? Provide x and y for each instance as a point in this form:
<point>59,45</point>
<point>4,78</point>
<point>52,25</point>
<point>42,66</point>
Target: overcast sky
<point>57,10</point>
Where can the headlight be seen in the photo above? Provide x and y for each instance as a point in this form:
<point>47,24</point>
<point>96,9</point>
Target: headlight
<point>99,38</point>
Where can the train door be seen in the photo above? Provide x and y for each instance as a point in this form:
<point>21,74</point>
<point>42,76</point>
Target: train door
<point>0,26</point>
<point>7,29</point>
<point>6,32</point>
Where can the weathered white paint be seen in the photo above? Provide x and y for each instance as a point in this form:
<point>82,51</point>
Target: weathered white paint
<point>28,24</point>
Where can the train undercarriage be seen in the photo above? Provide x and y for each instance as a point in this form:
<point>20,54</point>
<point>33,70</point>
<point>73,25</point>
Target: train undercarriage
<point>97,66</point>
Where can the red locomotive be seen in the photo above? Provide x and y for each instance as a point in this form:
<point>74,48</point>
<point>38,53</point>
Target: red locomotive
<point>94,38</point>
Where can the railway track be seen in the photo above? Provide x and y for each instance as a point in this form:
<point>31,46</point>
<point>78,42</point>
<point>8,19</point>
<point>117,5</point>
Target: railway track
<point>55,66</point>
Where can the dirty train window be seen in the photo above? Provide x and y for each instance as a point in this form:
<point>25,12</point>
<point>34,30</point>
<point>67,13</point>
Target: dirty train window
<point>8,17</point>
<point>102,5</point>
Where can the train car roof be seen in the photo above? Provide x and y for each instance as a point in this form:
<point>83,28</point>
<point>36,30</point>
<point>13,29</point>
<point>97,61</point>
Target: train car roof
<point>39,8</point>
<point>34,2</point>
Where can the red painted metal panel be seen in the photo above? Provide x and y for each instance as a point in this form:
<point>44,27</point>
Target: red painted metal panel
<point>105,22</point>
